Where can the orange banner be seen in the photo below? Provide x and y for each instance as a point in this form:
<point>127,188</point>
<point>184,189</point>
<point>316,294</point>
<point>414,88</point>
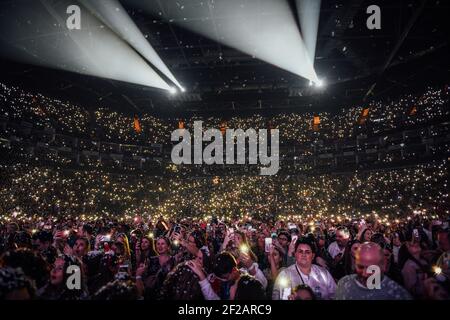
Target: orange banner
<point>137,125</point>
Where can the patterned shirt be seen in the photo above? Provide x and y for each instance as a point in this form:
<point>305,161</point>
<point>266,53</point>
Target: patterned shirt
<point>349,288</point>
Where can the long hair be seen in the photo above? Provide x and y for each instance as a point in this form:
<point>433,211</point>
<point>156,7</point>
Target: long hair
<point>361,237</point>
<point>199,238</point>
<point>348,257</point>
<point>246,243</point>
<point>62,292</point>
<point>126,244</point>
<point>404,256</point>
<point>151,249</point>
<point>167,241</point>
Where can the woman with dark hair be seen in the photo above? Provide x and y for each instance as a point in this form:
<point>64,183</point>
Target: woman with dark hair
<point>259,250</point>
<point>190,246</point>
<point>204,259</point>
<point>396,243</point>
<point>366,235</point>
<point>144,250</point>
<point>237,243</point>
<point>349,256</point>
<point>275,257</point>
<point>57,287</point>
<point>413,267</point>
<point>246,259</point>
<point>322,257</point>
<point>390,267</point>
<point>150,275</point>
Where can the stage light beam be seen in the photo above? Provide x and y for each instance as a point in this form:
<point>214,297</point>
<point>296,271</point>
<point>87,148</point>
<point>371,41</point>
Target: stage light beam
<point>35,32</point>
<point>265,29</point>
<point>114,15</point>
<point>309,16</point>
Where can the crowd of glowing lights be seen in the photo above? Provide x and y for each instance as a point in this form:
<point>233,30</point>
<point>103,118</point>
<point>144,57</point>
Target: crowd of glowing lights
<point>30,192</point>
<point>33,189</point>
<point>109,125</point>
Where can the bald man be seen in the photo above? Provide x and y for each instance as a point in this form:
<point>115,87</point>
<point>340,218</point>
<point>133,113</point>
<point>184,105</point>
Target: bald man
<point>361,286</point>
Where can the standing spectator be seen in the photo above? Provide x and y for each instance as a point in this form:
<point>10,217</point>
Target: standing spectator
<point>304,272</point>
<point>444,246</point>
<point>275,257</point>
<point>337,248</point>
<point>414,268</point>
<point>156,269</point>
<point>144,250</point>
<point>57,288</point>
<point>81,247</point>
<point>349,256</point>
<point>396,243</point>
<point>337,251</point>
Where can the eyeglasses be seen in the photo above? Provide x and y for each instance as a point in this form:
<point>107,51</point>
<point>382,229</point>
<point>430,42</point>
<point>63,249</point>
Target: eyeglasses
<point>305,252</point>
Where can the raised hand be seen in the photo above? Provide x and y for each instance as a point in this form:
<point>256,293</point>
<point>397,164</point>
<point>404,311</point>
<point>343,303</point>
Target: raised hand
<point>197,269</point>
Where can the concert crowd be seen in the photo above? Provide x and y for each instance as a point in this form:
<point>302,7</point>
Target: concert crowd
<point>95,234</point>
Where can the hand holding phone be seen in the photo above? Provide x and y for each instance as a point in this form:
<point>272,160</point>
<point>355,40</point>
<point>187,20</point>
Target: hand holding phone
<point>294,239</point>
<point>267,244</point>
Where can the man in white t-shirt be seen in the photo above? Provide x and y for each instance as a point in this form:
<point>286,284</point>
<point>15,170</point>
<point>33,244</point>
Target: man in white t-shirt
<point>303,272</point>
<point>337,247</point>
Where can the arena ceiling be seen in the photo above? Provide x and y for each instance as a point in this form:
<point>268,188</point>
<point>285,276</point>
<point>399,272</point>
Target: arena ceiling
<point>410,51</point>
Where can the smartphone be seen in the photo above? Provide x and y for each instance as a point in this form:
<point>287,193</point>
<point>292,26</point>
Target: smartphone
<point>294,239</point>
<point>231,230</point>
<point>123,268</point>
<point>268,243</point>
<point>416,233</point>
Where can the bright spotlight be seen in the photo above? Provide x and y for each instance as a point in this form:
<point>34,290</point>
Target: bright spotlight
<point>311,83</point>
<point>275,38</point>
<point>182,89</point>
<point>320,83</point>
<point>173,90</point>
<point>35,33</point>
<point>117,19</point>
